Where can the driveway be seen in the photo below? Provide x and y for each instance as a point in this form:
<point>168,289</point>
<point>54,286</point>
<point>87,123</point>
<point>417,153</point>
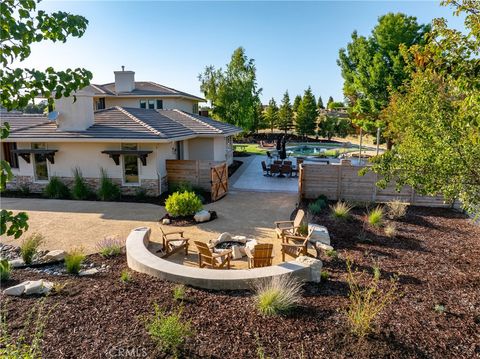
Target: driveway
<point>69,224</point>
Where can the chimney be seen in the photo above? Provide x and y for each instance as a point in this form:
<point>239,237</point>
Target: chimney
<point>124,80</point>
<point>75,116</point>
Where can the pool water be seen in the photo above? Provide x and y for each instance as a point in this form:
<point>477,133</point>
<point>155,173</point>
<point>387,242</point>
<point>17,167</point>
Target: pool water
<point>316,150</point>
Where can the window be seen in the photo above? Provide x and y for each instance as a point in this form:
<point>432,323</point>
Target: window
<point>8,155</point>
<point>159,104</point>
<point>195,108</point>
<point>151,104</point>
<point>100,104</point>
<point>40,166</point>
<point>143,104</point>
<point>180,154</point>
<point>130,164</point>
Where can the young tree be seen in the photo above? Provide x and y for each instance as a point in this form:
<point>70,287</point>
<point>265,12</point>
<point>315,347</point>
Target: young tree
<point>335,105</point>
<point>233,93</point>
<point>373,67</point>
<point>271,114</point>
<point>320,103</point>
<point>330,101</point>
<point>306,120</point>
<point>334,125</point>
<point>22,26</point>
<point>435,120</point>
<point>296,103</point>
<point>285,114</point>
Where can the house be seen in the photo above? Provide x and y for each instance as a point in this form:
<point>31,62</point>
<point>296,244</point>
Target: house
<point>129,129</point>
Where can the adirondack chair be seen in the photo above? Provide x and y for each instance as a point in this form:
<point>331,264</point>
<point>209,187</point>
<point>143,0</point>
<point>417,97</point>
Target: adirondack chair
<point>289,227</point>
<point>207,258</point>
<point>174,244</point>
<point>266,170</point>
<point>261,257</point>
<point>298,247</point>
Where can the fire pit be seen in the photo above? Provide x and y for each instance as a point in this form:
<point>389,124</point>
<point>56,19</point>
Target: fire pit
<point>236,243</point>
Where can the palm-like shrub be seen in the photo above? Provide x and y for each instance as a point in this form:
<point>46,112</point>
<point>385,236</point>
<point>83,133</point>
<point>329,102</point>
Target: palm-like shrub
<point>80,189</point>
<point>277,295</point>
<point>5,270</point>
<point>74,260</point>
<point>341,210</point>
<point>390,230</point>
<point>181,204</point>
<point>29,247</point>
<point>396,209</point>
<point>375,217</point>
<point>56,189</point>
<point>108,190</point>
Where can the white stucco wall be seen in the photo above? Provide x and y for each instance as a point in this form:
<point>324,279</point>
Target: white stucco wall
<point>168,103</point>
<point>219,148</point>
<point>201,149</point>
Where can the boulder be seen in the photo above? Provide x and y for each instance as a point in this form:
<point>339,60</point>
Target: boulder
<point>90,271</point>
<point>315,266</point>
<point>202,216</point>
<point>38,287</point>
<point>166,221</point>
<point>56,255</point>
<point>320,234</point>
<point>17,262</point>
<point>16,290</point>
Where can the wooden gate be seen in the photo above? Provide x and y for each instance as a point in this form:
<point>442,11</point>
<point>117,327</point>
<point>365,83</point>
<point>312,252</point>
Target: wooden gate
<point>219,181</point>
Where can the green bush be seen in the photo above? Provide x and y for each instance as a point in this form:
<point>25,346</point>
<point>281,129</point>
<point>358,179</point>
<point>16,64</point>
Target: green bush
<point>341,210</point>
<point>332,253</point>
<point>74,260</point>
<point>316,207</point>
<point>179,292</point>
<point>169,332</point>
<point>181,187</point>
<point>108,190</point>
<point>324,276</point>
<point>56,189</point>
<point>125,277</point>
<point>110,246</point>
<point>80,189</point>
<point>183,204</point>
<point>5,270</point>
<point>303,229</point>
<point>277,295</point>
<point>375,217</point>
<point>29,247</point>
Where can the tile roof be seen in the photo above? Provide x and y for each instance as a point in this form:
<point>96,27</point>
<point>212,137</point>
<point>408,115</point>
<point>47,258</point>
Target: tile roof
<point>123,123</point>
<point>142,88</point>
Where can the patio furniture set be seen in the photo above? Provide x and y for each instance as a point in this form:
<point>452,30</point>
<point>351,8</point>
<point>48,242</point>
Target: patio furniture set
<point>218,254</point>
<point>279,168</point>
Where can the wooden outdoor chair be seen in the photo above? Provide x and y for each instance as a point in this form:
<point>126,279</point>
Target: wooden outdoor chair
<point>174,244</point>
<point>278,162</point>
<point>266,170</point>
<point>207,258</point>
<point>261,257</point>
<point>299,247</point>
<point>287,163</point>
<point>289,227</point>
<point>286,170</point>
<point>274,169</point>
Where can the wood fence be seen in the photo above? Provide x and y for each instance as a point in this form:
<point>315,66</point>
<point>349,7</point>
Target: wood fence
<point>196,172</point>
<point>342,182</point>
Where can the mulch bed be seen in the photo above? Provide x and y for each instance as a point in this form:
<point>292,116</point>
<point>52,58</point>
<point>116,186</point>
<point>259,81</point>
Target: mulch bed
<point>186,221</point>
<point>435,255</point>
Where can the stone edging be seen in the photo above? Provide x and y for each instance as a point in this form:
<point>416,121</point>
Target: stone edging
<point>140,259</point>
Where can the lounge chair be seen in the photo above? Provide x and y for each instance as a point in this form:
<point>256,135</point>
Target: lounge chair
<point>207,258</point>
<point>289,227</point>
<point>174,244</point>
<point>298,247</point>
<point>266,170</point>
<point>261,257</point>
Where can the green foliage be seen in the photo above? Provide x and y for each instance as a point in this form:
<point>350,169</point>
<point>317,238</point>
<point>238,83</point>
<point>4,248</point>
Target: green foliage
<point>396,209</point>
<point>234,93</point>
<point>38,108</point>
<point>331,125</point>
<point>277,295</point>
<point>125,276</point>
<point>324,276</point>
<point>13,225</point>
<point>331,253</point>
<point>366,302</point>
<point>179,292</point>
<point>188,187</point>
<point>306,117</point>
<point>140,194</point>
<point>169,332</point>
<point>317,206</point>
<point>303,229</point>
<point>110,246</point>
<point>341,211</point>
<point>373,68</point>
<point>375,217</point>
<point>335,105</point>
<point>74,260</point>
<point>439,308</point>
<point>320,103</point>
<point>56,189</point>
<point>29,247</point>
<point>330,100</point>
<point>183,204</point>
<point>5,270</point>
<point>108,190</point>
<point>270,114</point>
<point>285,114</point>
<point>296,104</point>
<point>80,189</point>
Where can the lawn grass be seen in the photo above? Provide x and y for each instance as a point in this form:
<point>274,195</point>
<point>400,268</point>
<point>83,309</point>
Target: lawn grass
<point>250,148</point>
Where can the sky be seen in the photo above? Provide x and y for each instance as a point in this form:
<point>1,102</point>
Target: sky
<point>294,44</point>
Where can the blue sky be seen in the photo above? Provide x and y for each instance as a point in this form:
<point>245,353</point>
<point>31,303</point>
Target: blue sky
<point>294,44</point>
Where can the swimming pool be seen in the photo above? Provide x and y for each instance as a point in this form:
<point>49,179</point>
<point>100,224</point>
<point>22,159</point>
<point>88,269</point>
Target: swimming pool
<point>320,150</point>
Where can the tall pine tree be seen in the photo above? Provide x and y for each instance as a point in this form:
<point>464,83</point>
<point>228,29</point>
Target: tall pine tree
<point>296,103</point>
<point>306,120</point>
<point>320,103</point>
<point>285,114</point>
<point>330,100</point>
<point>271,114</point>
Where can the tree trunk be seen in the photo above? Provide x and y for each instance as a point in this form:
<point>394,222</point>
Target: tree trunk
<point>389,144</point>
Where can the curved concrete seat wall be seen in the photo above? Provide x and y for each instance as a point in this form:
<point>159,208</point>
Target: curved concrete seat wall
<point>140,259</point>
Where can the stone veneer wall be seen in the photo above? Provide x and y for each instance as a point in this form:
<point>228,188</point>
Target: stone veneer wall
<point>151,186</point>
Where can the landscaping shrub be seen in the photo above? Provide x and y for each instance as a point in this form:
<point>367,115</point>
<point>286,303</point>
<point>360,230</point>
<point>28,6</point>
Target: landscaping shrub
<point>169,332</point>
<point>125,277</point>
<point>179,292</point>
<point>396,209</point>
<point>366,302</point>
<point>5,270</point>
<point>108,190</point>
<point>80,189</point>
<point>110,246</point>
<point>74,260</point>
<point>324,275</point>
<point>390,230</point>
<point>29,247</point>
<point>24,190</point>
<point>140,194</point>
<point>303,229</point>
<point>332,253</point>
<point>56,189</point>
<point>375,217</point>
<point>277,295</point>
<point>341,211</point>
<point>181,204</point>
<point>181,187</point>
<point>315,208</point>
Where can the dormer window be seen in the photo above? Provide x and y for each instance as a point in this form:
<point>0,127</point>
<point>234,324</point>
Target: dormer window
<point>150,104</point>
<point>143,104</point>
<point>159,104</point>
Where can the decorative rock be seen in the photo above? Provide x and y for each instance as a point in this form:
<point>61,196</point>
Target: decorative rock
<point>166,221</point>
<point>202,216</point>
<point>90,271</point>
<point>37,287</point>
<point>17,262</point>
<point>16,290</point>
<point>320,234</point>
<point>315,267</point>
<point>56,255</point>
